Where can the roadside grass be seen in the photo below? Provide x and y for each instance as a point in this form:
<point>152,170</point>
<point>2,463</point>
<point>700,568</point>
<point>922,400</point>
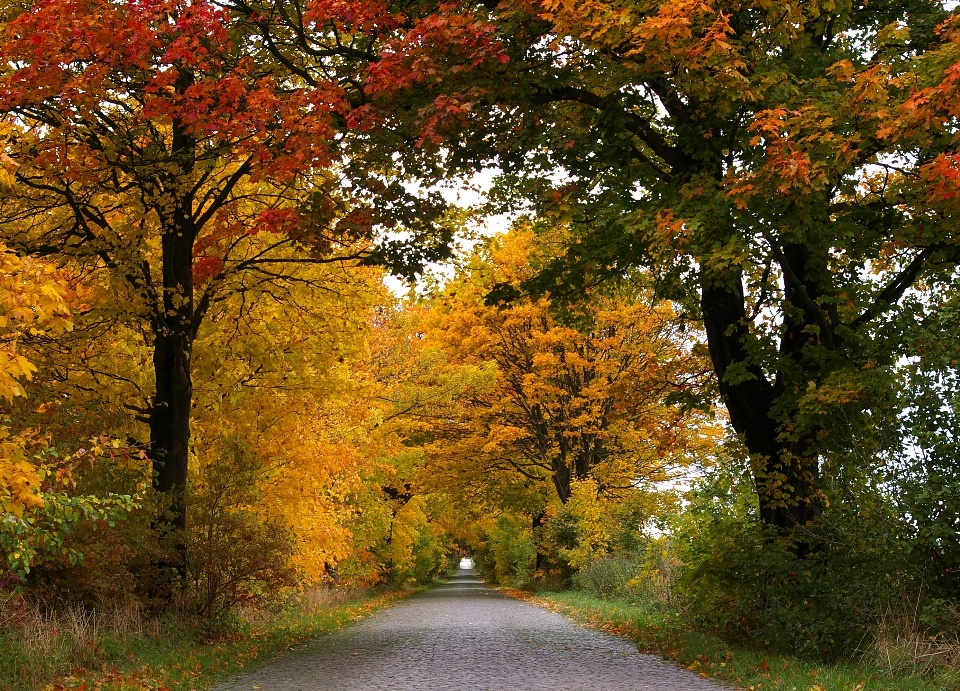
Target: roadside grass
<point>74,651</point>
<point>656,630</point>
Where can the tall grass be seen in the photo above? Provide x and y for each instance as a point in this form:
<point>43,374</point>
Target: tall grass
<point>121,647</point>
<point>39,642</point>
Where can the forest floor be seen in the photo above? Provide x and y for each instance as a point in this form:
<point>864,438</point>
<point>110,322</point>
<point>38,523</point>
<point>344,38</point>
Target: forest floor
<point>668,634</point>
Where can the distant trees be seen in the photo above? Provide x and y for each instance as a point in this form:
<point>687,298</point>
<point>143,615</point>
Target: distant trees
<point>561,402</point>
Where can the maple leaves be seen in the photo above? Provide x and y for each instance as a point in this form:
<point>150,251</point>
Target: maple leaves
<point>554,403</point>
<point>32,300</point>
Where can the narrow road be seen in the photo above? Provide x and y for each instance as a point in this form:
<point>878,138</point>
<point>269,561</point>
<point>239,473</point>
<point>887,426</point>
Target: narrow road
<point>463,636</point>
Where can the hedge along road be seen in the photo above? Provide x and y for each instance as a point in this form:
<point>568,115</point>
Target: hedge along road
<point>464,636</point>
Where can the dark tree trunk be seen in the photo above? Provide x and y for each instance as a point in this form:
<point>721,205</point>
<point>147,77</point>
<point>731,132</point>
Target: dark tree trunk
<point>561,478</point>
<point>174,330</point>
<point>170,422</point>
<point>173,397</point>
<point>539,520</point>
<point>784,470</point>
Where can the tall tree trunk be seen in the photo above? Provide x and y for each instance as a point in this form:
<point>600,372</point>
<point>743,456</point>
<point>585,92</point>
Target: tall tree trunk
<point>173,396</point>
<point>170,421</point>
<point>174,331</point>
<point>785,471</point>
<point>561,477</point>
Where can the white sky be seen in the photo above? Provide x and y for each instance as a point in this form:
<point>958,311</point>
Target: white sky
<point>464,193</point>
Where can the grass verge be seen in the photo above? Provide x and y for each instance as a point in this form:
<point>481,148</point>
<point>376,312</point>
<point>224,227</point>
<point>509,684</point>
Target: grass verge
<point>170,655</point>
<point>668,634</point>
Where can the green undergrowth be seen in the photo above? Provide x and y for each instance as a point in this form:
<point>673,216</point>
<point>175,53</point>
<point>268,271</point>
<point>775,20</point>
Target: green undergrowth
<point>171,655</point>
<point>668,634</point>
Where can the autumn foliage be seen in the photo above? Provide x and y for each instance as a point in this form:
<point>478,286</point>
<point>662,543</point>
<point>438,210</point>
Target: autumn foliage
<point>713,362</point>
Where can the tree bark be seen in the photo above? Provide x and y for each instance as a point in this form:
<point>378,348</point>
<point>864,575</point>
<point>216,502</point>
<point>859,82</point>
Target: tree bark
<point>174,331</point>
<point>785,471</point>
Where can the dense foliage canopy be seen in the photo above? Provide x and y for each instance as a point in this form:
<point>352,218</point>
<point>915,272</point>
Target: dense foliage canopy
<point>716,351</point>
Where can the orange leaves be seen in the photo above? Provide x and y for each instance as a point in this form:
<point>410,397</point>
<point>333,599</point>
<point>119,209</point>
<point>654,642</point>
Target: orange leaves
<point>942,178</point>
<point>141,66</point>
<point>689,39</point>
<point>800,150</point>
<point>671,231</point>
<point>586,401</point>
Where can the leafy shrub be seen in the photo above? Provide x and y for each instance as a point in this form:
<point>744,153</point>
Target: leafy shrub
<point>644,576</point>
<point>94,552</point>
<point>234,554</point>
<point>747,583</point>
<point>609,577</point>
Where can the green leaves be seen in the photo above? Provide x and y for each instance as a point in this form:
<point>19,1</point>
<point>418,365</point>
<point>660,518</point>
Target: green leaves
<point>42,532</point>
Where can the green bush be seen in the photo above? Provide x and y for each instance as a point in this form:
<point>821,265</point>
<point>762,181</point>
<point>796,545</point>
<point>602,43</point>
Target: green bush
<point>608,577</point>
<point>748,585</point>
<point>506,553</point>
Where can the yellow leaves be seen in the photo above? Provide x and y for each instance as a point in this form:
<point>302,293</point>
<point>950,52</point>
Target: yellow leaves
<point>596,524</point>
<point>31,301</point>
<point>293,381</point>
<point>842,71</point>
<point>19,479</point>
<point>839,389</point>
<point>502,436</point>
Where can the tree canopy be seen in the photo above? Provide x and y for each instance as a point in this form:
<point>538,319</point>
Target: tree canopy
<point>716,351</point>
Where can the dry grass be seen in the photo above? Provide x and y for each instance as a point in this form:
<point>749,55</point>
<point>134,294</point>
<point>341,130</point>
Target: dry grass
<point>319,598</point>
<point>41,641</point>
<point>902,646</point>
<point>308,601</point>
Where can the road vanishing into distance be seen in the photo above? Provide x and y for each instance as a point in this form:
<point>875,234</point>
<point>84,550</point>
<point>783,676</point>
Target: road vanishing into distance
<point>464,636</point>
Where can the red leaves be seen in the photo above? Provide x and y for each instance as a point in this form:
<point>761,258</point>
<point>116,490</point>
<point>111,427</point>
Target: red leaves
<point>167,61</point>
<point>206,268</point>
<point>276,221</point>
<point>943,178</point>
<point>198,32</point>
<point>448,48</point>
<point>435,46</point>
<point>352,16</point>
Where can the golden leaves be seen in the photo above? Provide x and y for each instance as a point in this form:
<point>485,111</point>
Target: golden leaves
<point>590,399</point>
<point>32,299</point>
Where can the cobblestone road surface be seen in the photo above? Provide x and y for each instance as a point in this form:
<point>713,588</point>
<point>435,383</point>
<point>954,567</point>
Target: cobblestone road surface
<point>463,636</point>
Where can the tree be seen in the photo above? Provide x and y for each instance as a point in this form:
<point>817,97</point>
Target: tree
<point>562,402</point>
<point>148,143</point>
<point>786,172</point>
